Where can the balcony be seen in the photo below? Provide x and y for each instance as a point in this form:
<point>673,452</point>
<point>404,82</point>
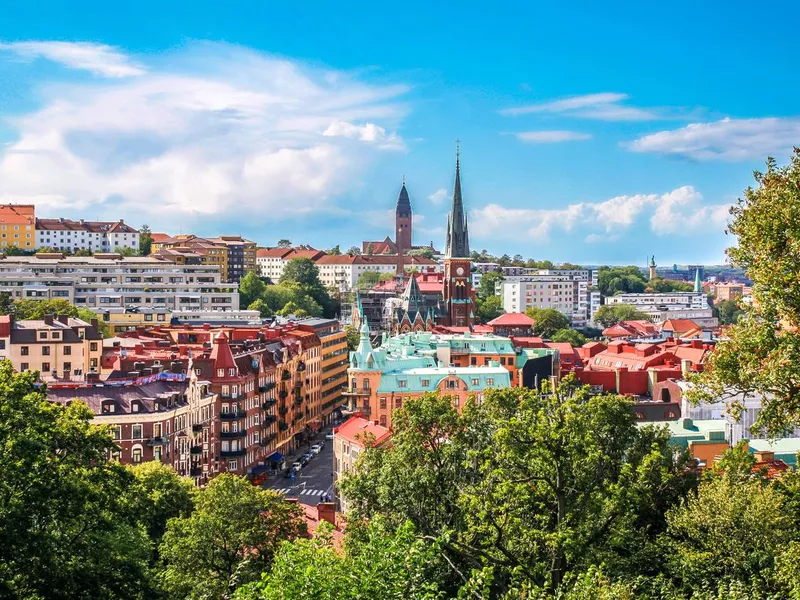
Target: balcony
<point>228,453</point>
<point>268,420</point>
<point>298,399</point>
<point>268,439</point>
<point>228,416</point>
<point>283,410</point>
<point>196,449</point>
<point>266,387</point>
<point>283,426</point>
<point>267,404</point>
<point>197,428</point>
<point>282,394</point>
<point>230,435</point>
<point>157,441</point>
<point>196,472</point>
<point>286,376</point>
<point>355,392</point>
<point>301,366</point>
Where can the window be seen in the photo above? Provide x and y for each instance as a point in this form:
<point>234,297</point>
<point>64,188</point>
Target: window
<point>56,335</point>
<point>157,453</point>
<point>366,384</point>
<point>23,366</point>
<point>136,455</point>
<point>42,335</point>
<point>382,403</point>
<point>24,350</point>
<point>232,465</point>
<point>68,366</point>
<point>116,433</point>
<point>45,350</point>
<point>490,381</point>
<point>452,384</point>
<point>401,383</point>
<point>67,350</point>
<point>135,407</point>
<point>473,360</point>
<point>156,429</point>
<point>45,366</point>
<point>136,432</point>
<point>476,381</point>
<point>93,346</point>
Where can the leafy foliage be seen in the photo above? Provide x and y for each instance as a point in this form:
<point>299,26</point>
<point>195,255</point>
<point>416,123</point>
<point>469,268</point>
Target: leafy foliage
<point>489,309</point>
<point>570,336</point>
<point>728,312</point>
<point>251,288</point>
<point>227,541</point>
<point>611,314</point>
<point>488,283</point>
<point>547,321</point>
<point>38,309</point>
<point>145,241</point>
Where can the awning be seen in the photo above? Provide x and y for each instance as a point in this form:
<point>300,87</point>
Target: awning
<point>275,457</point>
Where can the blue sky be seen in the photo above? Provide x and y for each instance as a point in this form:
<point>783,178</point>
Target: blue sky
<point>590,132</point>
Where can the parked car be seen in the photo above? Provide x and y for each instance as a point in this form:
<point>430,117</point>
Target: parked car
<point>304,460</point>
<point>297,465</point>
<point>329,436</point>
<point>316,448</point>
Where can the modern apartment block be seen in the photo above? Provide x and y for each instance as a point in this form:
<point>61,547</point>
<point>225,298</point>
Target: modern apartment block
<point>241,256</point>
<point>95,236</point>
<point>112,281</point>
<point>270,262</point>
<point>191,250</point>
<point>341,272</point>
<point>570,292</point>
<point>333,340</point>
<point>59,347</point>
<point>18,226</point>
<point>671,305</point>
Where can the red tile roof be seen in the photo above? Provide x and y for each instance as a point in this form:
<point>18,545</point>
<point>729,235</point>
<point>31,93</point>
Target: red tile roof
<point>770,468</point>
<point>679,326</point>
<point>272,252</point>
<point>512,320</point>
<point>357,429</point>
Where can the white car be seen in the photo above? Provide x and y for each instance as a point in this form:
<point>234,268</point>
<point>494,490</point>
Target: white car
<point>329,436</point>
<point>316,448</point>
<point>297,465</point>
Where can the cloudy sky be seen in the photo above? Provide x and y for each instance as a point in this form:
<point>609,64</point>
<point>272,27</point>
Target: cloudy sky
<point>588,134</point>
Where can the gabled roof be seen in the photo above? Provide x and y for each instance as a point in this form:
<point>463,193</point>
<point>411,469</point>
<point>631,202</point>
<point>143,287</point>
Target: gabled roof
<point>512,320</point>
<point>679,325</point>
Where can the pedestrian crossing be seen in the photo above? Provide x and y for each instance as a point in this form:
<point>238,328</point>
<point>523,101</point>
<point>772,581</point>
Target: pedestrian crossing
<point>300,491</point>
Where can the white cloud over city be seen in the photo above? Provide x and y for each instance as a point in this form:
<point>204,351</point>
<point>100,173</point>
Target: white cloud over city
<point>680,212</point>
<point>209,129</point>
<point>551,137</point>
<point>727,139</point>
<point>604,106</point>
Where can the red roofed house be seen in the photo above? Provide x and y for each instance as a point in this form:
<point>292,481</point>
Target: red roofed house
<point>768,466</point>
<point>349,441</point>
<point>681,328</point>
<point>512,324</point>
<point>630,329</point>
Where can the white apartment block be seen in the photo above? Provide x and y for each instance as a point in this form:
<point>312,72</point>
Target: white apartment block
<point>97,236</point>
<point>341,272</point>
<point>112,281</point>
<point>270,262</point>
<point>670,305</point>
<point>567,291</point>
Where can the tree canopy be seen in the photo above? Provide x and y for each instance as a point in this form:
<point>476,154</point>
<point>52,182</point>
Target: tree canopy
<point>611,314</point>
<point>547,321</point>
<point>145,240</point>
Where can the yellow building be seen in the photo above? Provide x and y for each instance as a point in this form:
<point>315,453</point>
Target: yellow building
<point>18,226</point>
<point>58,347</point>
<point>120,320</point>
<point>189,249</point>
<point>333,376</point>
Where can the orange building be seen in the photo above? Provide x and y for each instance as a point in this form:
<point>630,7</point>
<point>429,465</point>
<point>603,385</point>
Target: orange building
<point>18,226</point>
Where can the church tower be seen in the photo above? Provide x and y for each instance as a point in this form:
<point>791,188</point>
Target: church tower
<point>457,292</point>
<point>402,224</point>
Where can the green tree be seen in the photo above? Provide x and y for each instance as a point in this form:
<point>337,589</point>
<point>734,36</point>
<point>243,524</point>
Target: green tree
<point>732,530</point>
<point>37,309</point>
<point>335,251</point>
<point>376,564</point>
<point>284,243</point>
<point>570,336</point>
<point>125,251</point>
<point>426,252</point>
<point>728,312</point>
<point>761,354</point>
<point>665,285</point>
<point>367,280</point>
<point>611,280</point>
<point>262,307</point>
<point>304,273</point>
<point>156,495</point>
<point>611,314</point>
<point>14,250</point>
<point>66,532</point>
<point>353,251</point>
<point>546,321</point>
<point>353,338</point>
<point>228,540</point>
<point>145,240</point>
<point>488,284</point>
<point>6,304</point>
<point>489,309</point>
<point>83,252</point>
<point>251,288</point>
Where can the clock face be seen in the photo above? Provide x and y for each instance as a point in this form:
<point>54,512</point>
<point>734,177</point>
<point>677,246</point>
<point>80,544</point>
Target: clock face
<point>460,271</point>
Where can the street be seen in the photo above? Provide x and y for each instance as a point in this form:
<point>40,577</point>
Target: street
<point>312,482</point>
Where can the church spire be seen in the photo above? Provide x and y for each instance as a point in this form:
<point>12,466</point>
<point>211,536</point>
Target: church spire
<point>403,201</point>
<point>457,244</point>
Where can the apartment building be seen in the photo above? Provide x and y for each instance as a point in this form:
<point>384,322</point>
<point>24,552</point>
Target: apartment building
<point>670,305</point>
<point>334,362</point>
<point>18,226</point>
<point>271,261</point>
<point>241,256</point>
<point>341,272</point>
<point>59,347</point>
<point>349,440</point>
<point>382,379</point>
<point>95,236</point>
<point>165,417</point>
<point>570,292</point>
<point>191,250</point>
<point>112,281</point>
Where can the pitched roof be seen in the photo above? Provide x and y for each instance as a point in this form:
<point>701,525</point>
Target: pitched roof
<point>357,429</point>
<point>512,320</point>
<point>159,238</point>
<point>90,226</point>
<point>679,325</point>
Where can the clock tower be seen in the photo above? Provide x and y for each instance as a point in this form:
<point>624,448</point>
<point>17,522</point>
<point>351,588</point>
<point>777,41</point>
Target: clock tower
<point>458,297</point>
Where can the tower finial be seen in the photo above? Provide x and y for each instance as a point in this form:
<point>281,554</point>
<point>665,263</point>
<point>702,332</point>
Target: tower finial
<point>458,153</point>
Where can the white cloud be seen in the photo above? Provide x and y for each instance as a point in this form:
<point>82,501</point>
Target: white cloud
<point>603,106</point>
<point>97,58</point>
<point>222,130</point>
<point>727,139</point>
<point>679,212</point>
<point>369,132</point>
<point>439,196</point>
<point>549,137</point>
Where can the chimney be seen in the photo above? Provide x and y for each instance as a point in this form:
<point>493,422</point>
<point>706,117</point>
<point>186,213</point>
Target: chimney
<point>686,367</point>
<point>48,319</point>
<point>326,511</point>
<point>64,319</point>
<point>764,455</point>
<point>93,323</point>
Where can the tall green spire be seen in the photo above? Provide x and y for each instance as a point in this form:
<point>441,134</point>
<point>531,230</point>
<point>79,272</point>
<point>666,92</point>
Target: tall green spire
<point>457,244</point>
<point>698,285</point>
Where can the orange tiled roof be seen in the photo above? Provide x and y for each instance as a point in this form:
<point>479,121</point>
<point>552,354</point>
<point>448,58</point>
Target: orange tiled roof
<point>512,320</point>
<point>356,429</point>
